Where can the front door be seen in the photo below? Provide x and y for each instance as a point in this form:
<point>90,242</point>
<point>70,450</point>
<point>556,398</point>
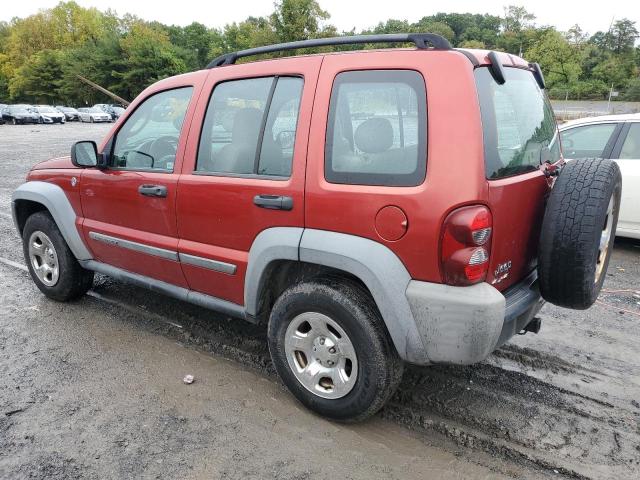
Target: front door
<point>129,207</point>
<point>244,168</point>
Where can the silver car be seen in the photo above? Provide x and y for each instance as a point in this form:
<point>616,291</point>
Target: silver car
<point>93,115</point>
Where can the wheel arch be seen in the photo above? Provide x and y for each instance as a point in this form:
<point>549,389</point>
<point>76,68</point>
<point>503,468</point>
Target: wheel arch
<point>34,196</point>
<point>282,256</point>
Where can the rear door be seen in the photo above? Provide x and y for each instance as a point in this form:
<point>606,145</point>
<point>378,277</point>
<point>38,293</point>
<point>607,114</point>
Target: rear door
<point>244,168</point>
<point>627,154</point>
<point>520,139</point>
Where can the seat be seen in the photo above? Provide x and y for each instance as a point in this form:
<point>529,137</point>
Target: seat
<point>239,155</point>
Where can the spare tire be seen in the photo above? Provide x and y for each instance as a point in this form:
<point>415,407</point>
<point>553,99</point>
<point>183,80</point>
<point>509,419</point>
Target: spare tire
<point>578,231</point>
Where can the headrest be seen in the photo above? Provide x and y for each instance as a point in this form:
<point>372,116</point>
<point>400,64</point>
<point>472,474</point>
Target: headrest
<point>374,135</point>
<point>246,124</point>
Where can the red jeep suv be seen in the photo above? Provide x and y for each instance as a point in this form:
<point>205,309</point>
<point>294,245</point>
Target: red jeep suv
<point>371,207</point>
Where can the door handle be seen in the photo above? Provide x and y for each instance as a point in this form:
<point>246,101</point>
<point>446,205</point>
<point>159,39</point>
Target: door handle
<point>152,190</point>
<point>273,202</point>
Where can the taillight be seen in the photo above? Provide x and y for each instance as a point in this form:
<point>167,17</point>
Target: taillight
<point>466,245</point>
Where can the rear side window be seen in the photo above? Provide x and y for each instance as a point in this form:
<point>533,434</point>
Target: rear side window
<point>377,127</point>
<point>631,147</point>
<point>588,141</point>
<point>250,126</point>
<point>519,128</point>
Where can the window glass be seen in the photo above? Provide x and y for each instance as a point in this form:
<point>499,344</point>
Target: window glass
<point>240,136</point>
<point>631,146</point>
<point>276,153</point>
<point>519,127</point>
<point>588,141</point>
<point>376,133</point>
<point>149,137</point>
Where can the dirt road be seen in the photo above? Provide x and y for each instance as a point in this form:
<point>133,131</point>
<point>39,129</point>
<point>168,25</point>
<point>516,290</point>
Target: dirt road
<point>93,389</point>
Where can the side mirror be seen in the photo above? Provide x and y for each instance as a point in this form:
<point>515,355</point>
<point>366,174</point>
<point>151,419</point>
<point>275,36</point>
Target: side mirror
<point>85,154</point>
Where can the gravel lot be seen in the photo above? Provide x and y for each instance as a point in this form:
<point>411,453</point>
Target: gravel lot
<point>93,389</point>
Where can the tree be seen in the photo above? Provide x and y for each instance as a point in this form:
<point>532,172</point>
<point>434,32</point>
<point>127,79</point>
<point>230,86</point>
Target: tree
<point>148,56</point>
<point>38,79</point>
<point>516,19</point>
<point>623,35</point>
<point>297,20</point>
<point>557,58</point>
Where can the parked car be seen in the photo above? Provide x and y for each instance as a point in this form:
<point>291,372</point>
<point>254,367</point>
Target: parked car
<point>299,197</point>
<point>93,115</point>
<point>114,110</point>
<point>70,114</point>
<point>616,137</point>
<point>49,114</point>
<point>20,114</point>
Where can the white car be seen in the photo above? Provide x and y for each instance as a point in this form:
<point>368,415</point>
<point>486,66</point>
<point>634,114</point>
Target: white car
<point>616,137</point>
<point>49,114</point>
<point>93,115</point>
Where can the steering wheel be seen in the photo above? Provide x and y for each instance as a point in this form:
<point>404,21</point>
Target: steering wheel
<point>160,150</point>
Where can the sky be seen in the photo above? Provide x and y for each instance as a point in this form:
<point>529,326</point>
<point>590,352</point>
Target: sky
<point>347,14</point>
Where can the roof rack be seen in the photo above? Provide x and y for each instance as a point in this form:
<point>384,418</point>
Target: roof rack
<point>421,40</point>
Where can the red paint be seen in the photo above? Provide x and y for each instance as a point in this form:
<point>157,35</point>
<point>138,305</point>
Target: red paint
<point>214,216</point>
<point>391,223</point>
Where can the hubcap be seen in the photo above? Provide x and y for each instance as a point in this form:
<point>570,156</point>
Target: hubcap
<point>605,236</point>
<point>321,355</point>
<point>43,258</point>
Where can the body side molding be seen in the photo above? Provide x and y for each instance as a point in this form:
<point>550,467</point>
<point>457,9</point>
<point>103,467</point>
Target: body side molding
<point>56,202</point>
<point>135,246</point>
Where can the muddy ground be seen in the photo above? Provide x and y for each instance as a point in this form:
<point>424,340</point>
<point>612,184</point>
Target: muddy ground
<point>93,388</point>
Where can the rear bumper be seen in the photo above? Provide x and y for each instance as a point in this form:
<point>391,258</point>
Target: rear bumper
<point>463,325</point>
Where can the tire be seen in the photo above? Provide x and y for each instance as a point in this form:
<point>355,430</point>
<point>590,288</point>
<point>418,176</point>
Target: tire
<point>91,120</point>
<point>72,280</point>
<point>375,369</point>
<point>578,232</point>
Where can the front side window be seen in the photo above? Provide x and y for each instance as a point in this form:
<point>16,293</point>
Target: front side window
<point>377,128</point>
<point>587,141</point>
<point>148,140</point>
<point>631,146</point>
<point>519,127</point>
<point>250,126</point>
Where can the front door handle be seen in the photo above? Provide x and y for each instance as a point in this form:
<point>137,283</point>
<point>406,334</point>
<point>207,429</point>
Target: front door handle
<point>153,190</point>
<point>273,202</point>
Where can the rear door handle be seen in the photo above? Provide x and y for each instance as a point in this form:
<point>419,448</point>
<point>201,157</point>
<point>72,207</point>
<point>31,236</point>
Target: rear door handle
<point>152,190</point>
<point>273,202</point>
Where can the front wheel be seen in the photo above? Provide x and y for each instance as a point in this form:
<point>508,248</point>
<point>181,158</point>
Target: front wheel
<point>331,349</point>
<point>53,267</point>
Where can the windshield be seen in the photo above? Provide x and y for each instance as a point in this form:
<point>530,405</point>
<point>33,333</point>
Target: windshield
<point>519,128</point>
<point>94,110</point>
<point>46,110</point>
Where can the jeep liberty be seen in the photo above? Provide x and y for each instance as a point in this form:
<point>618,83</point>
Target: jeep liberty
<point>371,208</point>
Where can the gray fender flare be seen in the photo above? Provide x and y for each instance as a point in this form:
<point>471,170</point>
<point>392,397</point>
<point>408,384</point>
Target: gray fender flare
<point>272,244</point>
<point>373,263</point>
<point>56,202</point>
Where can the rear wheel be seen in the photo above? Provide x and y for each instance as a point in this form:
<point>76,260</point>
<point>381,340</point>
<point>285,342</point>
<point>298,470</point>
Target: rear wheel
<point>331,349</point>
<point>52,265</point>
<point>578,232</point>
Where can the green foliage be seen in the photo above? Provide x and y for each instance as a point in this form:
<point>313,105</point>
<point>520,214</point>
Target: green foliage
<point>42,55</point>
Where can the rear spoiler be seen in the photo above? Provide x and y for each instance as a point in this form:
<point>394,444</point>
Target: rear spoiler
<point>497,71</point>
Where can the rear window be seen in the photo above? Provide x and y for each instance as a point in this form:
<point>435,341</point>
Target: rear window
<point>519,128</point>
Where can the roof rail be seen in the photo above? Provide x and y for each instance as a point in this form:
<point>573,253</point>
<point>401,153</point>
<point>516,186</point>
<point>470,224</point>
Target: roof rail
<point>421,40</point>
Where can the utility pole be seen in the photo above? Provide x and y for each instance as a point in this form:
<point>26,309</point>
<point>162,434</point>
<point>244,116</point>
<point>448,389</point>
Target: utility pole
<point>609,102</point>
<point>103,90</point>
